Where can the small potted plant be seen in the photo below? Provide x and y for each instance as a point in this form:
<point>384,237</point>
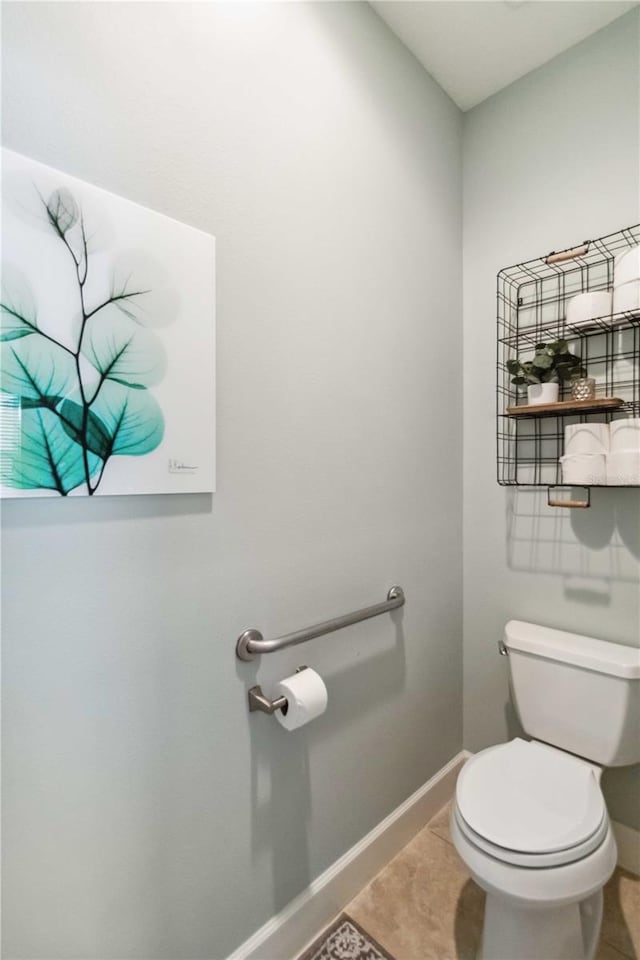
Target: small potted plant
<point>552,364</point>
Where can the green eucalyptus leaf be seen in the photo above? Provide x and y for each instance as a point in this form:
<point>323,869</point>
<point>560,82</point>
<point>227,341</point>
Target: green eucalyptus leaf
<point>43,456</point>
<point>62,209</point>
<point>132,419</point>
<point>568,358</point>
<point>32,403</point>
<point>543,361</point>
<point>34,368</point>
<point>18,314</point>
<point>94,435</point>
<point>139,288</point>
<point>122,351</point>
<point>552,363</point>
<point>13,326</point>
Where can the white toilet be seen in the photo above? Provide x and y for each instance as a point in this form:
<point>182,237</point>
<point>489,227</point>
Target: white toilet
<point>529,818</point>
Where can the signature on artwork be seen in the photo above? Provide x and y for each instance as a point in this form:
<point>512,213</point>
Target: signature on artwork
<point>179,466</point>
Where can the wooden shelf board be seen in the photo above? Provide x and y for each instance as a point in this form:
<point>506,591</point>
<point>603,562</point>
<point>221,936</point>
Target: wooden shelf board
<point>576,407</point>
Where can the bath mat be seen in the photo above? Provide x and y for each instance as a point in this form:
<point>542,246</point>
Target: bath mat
<point>345,940</point>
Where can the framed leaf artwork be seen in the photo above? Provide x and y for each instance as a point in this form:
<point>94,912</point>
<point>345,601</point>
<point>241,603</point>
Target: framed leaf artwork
<point>107,342</point>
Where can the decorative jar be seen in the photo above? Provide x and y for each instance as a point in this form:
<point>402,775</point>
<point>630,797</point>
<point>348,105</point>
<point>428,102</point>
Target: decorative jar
<point>583,389</point>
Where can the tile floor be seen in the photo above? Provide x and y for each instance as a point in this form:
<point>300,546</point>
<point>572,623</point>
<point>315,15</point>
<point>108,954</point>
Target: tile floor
<point>424,905</point>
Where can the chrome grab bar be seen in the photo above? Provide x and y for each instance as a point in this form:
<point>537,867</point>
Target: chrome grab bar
<point>251,643</point>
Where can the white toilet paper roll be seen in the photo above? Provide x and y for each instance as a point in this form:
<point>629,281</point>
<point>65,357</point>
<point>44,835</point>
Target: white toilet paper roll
<point>626,298</point>
<point>623,468</point>
<point>584,469</point>
<point>585,307</point>
<point>306,698</point>
<point>626,267</point>
<point>625,434</point>
<point>581,438</point>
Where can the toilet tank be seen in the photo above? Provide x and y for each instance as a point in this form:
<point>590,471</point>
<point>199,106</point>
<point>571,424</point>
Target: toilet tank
<point>577,693</point>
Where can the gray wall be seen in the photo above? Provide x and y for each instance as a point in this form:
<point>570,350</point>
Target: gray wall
<point>145,813</point>
<point>549,162</point>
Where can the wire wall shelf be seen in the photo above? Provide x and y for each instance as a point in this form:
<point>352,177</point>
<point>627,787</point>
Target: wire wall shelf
<point>532,300</point>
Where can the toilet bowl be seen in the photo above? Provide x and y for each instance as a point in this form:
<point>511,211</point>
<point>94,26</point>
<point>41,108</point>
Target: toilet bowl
<point>529,818</point>
<point>531,824</point>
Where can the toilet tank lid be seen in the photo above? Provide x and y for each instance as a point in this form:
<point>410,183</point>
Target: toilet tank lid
<point>600,656</point>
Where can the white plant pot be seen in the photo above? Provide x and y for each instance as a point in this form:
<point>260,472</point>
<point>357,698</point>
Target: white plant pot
<point>543,392</point>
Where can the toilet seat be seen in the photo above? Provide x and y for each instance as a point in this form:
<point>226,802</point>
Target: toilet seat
<point>535,860</point>
<point>547,887</point>
<point>531,805</point>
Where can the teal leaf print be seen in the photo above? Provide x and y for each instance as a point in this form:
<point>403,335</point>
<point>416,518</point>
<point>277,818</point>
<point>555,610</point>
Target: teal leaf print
<point>67,408</point>
<point>62,210</point>
<point>92,432</point>
<point>48,458</point>
<point>34,368</point>
<point>14,325</point>
<point>132,419</point>
<point>18,314</point>
<point>139,289</point>
<point>121,350</point>
<point>32,403</point>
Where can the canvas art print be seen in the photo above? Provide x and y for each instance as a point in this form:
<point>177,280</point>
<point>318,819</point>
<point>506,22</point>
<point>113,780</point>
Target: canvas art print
<point>107,342</point>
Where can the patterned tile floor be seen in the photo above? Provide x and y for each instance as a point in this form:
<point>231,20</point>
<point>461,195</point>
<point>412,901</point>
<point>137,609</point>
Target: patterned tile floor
<point>424,905</point>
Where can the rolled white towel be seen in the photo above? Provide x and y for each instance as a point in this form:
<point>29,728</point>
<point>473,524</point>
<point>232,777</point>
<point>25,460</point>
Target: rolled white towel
<point>627,297</point>
<point>626,266</point>
<point>623,468</point>
<point>584,469</point>
<point>586,438</point>
<point>585,307</point>
<point>624,435</point>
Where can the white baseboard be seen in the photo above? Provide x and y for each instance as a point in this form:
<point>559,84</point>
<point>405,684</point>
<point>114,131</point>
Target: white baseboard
<point>628,841</point>
<point>288,932</point>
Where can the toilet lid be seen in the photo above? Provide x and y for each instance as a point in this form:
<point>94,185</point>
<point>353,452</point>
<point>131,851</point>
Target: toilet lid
<point>530,797</point>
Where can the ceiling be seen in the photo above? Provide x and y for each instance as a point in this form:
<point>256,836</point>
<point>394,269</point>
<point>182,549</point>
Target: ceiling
<point>473,48</point>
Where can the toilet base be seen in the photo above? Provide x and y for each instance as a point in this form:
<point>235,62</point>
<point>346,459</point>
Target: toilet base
<point>568,932</point>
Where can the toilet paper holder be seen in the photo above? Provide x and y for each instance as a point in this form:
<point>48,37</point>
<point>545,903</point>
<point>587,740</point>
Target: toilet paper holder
<point>553,501</point>
<point>258,701</point>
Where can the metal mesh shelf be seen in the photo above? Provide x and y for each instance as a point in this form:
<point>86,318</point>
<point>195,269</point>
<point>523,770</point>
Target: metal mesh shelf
<point>556,330</point>
<point>532,299</point>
